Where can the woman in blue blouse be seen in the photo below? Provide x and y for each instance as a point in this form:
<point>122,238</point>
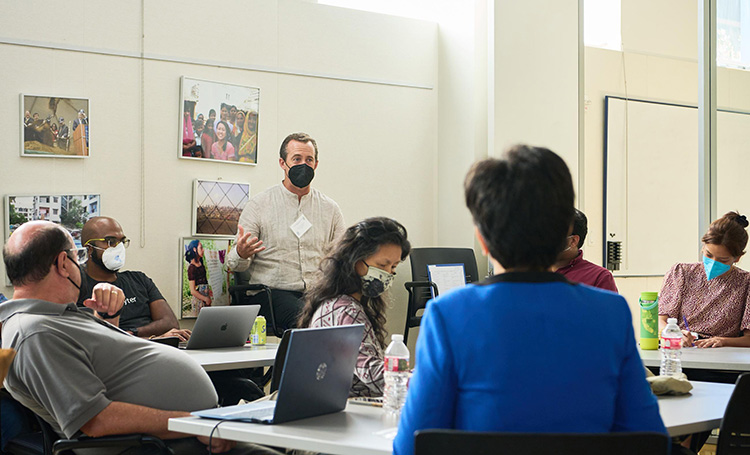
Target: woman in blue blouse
<point>526,350</point>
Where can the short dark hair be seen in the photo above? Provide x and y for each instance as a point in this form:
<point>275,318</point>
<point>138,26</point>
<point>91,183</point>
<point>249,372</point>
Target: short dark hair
<point>729,231</point>
<point>31,262</point>
<point>299,137</point>
<point>580,227</point>
<point>522,205</point>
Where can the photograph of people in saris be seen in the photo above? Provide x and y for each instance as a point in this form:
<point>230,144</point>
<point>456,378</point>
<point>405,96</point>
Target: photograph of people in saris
<point>219,122</point>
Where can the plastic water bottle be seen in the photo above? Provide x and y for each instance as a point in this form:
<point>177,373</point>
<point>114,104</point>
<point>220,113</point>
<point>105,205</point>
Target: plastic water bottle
<point>396,376</point>
<point>671,349</point>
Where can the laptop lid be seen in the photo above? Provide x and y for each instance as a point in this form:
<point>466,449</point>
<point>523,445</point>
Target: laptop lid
<point>315,380</point>
<point>223,326</point>
<point>318,371</point>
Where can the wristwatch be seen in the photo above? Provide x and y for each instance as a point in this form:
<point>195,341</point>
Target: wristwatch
<point>134,331</point>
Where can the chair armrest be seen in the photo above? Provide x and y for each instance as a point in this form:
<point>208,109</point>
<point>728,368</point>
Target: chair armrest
<point>247,287</point>
<point>130,440</point>
<point>409,285</point>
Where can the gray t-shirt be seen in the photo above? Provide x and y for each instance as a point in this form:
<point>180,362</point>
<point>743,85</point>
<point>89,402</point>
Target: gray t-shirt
<point>69,366</point>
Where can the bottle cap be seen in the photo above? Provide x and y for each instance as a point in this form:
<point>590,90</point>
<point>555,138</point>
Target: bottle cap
<point>397,337</point>
<point>649,295</point>
<point>672,321</point>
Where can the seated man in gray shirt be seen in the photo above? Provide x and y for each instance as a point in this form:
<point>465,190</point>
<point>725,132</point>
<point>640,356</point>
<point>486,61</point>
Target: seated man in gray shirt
<point>80,373</point>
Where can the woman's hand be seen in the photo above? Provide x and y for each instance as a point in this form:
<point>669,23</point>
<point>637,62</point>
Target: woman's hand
<point>688,340</point>
<point>713,342</point>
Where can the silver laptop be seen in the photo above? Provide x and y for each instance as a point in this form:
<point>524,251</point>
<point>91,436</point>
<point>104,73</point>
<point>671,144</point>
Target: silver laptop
<point>222,327</point>
<point>316,378</point>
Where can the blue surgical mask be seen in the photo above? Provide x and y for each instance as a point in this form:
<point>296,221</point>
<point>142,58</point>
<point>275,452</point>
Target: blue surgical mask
<point>714,268</point>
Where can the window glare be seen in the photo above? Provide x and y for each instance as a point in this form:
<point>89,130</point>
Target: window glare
<point>601,24</point>
<point>415,9</point>
<point>732,25</point>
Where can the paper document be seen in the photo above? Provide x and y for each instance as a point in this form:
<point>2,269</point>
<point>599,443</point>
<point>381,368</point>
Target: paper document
<point>446,276</point>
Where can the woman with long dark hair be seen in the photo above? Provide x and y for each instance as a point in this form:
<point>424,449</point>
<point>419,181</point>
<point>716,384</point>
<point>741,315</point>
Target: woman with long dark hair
<point>349,290</point>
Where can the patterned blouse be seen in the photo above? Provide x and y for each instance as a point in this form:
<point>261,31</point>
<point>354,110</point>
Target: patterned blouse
<point>720,307</point>
<point>368,373</point>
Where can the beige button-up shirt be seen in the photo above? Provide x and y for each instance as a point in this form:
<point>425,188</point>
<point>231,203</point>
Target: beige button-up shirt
<point>288,263</point>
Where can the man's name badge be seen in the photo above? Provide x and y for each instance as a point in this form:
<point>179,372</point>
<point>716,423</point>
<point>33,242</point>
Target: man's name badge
<point>300,226</point>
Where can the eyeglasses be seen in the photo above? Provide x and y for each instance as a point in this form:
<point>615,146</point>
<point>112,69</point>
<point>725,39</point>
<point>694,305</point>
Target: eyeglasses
<point>80,255</point>
<point>112,241</point>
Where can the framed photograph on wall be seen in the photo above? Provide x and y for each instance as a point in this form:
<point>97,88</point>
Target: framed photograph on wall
<point>55,127</point>
<point>69,210</point>
<point>204,275</point>
<point>218,122</point>
<point>217,206</point>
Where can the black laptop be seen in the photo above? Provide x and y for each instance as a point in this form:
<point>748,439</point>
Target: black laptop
<point>317,375</point>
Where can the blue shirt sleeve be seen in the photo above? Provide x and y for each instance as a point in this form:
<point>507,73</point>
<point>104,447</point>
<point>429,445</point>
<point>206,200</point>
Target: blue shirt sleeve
<point>431,400</point>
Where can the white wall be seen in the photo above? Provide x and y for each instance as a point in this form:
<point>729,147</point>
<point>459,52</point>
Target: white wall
<point>535,60</point>
<point>374,137</point>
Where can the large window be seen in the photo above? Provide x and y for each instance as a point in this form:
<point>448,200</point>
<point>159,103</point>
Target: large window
<point>601,24</point>
<point>733,33</point>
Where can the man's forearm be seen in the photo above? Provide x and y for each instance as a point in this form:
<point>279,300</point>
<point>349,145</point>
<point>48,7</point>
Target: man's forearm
<point>126,418</point>
<point>156,328</point>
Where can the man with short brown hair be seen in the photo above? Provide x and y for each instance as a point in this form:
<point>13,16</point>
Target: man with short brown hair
<point>283,232</point>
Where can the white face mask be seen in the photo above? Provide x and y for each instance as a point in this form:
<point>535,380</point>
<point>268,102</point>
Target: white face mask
<point>114,257</point>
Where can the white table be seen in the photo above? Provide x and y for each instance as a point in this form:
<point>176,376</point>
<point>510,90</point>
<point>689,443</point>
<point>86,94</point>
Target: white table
<point>719,359</point>
<point>364,430</point>
<point>702,410</point>
<point>233,358</point>
<point>359,430</point>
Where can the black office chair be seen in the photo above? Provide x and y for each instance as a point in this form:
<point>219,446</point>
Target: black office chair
<point>734,432</point>
<point>420,288</point>
<point>41,439</point>
<point>239,292</point>
<point>450,442</point>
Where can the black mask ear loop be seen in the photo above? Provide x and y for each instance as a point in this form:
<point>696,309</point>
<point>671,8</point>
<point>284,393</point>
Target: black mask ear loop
<point>68,277</point>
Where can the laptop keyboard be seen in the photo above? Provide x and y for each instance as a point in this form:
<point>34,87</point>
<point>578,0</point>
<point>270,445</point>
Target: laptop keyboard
<point>262,413</point>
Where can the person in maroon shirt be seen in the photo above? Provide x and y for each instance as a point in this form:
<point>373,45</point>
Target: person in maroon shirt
<point>571,263</point>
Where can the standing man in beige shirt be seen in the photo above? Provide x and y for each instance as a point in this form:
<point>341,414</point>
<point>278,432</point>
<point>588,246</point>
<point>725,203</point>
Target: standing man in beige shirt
<point>284,231</point>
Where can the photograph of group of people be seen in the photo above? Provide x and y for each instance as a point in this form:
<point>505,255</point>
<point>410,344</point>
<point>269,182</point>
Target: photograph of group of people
<point>54,126</point>
<point>219,122</point>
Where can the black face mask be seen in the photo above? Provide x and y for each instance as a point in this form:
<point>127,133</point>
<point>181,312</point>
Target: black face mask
<point>301,175</point>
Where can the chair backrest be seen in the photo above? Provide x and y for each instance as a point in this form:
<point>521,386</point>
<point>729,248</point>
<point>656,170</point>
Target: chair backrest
<point>43,440</point>
<point>734,433</point>
<point>419,289</point>
<point>439,442</point>
<point>238,292</point>
<point>33,436</point>
<point>242,277</point>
